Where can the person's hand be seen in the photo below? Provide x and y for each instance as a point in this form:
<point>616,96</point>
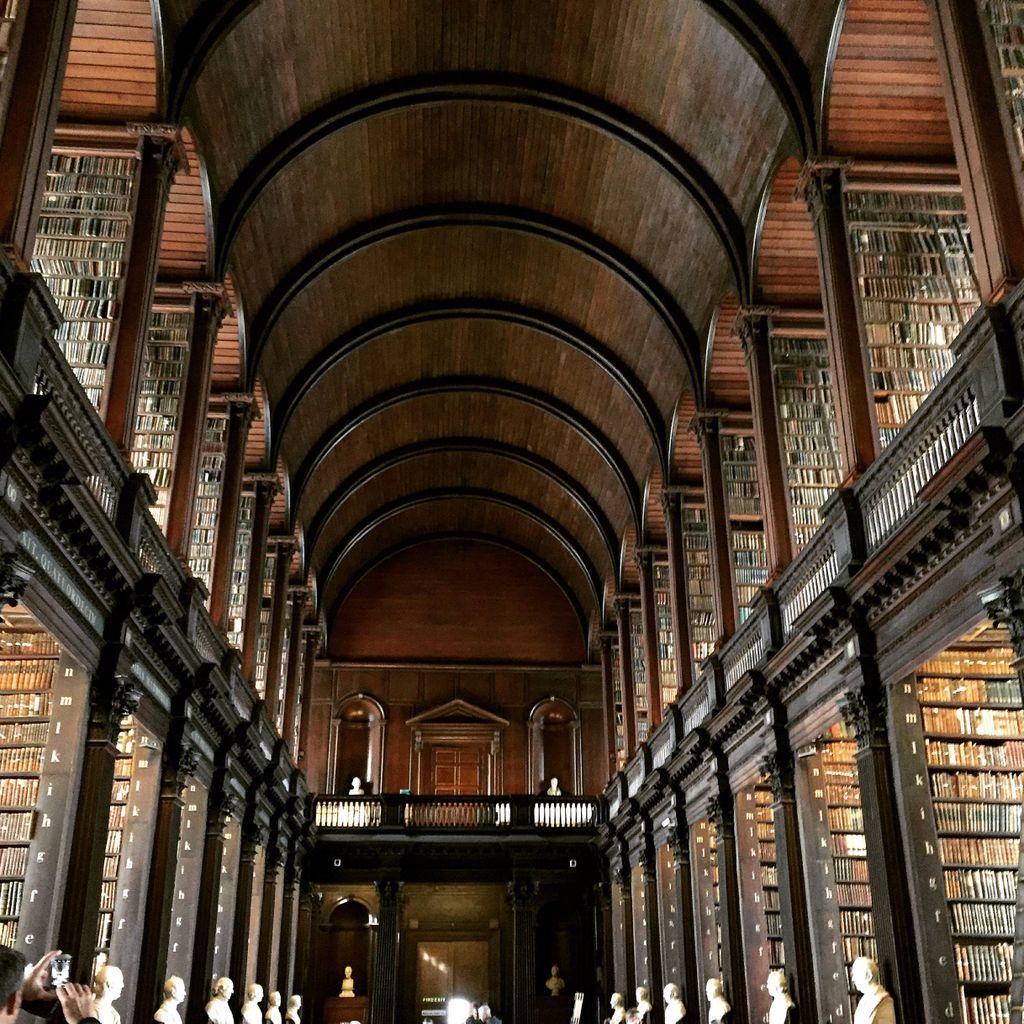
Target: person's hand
<point>38,978</point>
<point>76,1001</point>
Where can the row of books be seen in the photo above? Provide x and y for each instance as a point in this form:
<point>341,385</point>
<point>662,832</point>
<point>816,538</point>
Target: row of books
<point>993,852</point>
<point>975,755</point>
<point>24,643</point>
<point>970,691</point>
<point>987,661</point>
<point>10,898</point>
<point>1004,819</point>
<point>984,961</point>
<point>13,860</point>
<point>20,793</point>
<point>857,922</point>
<point>981,884</point>
<point>853,894</point>
<point>851,844</point>
<point>992,1009</point>
<point>978,785</point>
<point>26,674</point>
<point>846,819</point>
<point>982,918</point>
<point>29,705</point>
<point>977,721</point>
<point>16,826</point>
<point>851,869</point>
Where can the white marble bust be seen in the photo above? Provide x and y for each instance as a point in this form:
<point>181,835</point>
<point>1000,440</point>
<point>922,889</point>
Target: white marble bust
<point>251,1007</point>
<point>876,1005</point>
<point>273,1014</point>
<point>348,985</point>
<point>107,987</point>
<point>780,1012</point>
<point>643,1002</point>
<point>292,1011</point>
<point>356,787</point>
<point>674,1009</point>
<point>554,789</point>
<point>217,1009</point>
<point>718,1006</point>
<point>618,1006</point>
<point>174,996</point>
<point>554,984</point>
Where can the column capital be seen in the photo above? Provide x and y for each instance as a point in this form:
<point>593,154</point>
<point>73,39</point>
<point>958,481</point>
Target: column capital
<point>622,603</point>
<point>720,811</point>
<point>15,574</point>
<point>752,325</point>
<point>389,893</point>
<point>707,424</point>
<point>644,557</point>
<point>865,711</point>
<point>1004,603</point>
<point>818,176</point>
<point>671,500</point>
<point>777,769</point>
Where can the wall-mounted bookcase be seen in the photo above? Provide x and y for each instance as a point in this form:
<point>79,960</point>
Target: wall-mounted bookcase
<point>283,673</point>
<point>259,673</point>
<point>746,524</point>
<point>81,250</point>
<point>209,484</point>
<point>912,259</point>
<point>637,648</point>
<point>805,402</point>
<point>1006,19</point>
<point>700,596</point>
<point>666,642</point>
<point>704,854</point>
<point>240,569</point>
<point>155,430</point>
<point>620,728</point>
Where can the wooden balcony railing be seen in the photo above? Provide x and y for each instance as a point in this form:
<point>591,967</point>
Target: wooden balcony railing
<point>405,813</point>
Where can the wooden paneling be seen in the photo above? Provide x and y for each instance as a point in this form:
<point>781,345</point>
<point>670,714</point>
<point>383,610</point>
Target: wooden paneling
<point>686,465</point>
<point>111,72</point>
<point>654,516</point>
<point>886,91</point>
<point>728,383</point>
<point>457,602</point>
<point>227,363</point>
<point>183,244</point>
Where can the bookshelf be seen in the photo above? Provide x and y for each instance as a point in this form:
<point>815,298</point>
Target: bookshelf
<point>283,674</point>
<point>807,424</point>
<point>620,728</point>
<point>704,838</point>
<point>746,525</point>
<point>240,569</point>
<point>911,254</point>
<point>119,797</point>
<point>700,598</point>
<point>1006,19</point>
<point>9,12</point>
<point>666,642</point>
<point>637,650</point>
<point>156,415</point>
<point>81,250</point>
<point>207,504</point>
<point>188,878</point>
<point>964,710</point>
<point>259,673</point>
<point>28,658</point>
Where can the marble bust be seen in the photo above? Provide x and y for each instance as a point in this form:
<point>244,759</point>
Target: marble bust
<point>554,984</point>
<point>348,986</point>
<point>174,996</point>
<point>217,1009</point>
<point>643,1002</point>
<point>107,987</point>
<point>251,1007</point>
<point>876,1005</point>
<point>553,788</point>
<point>273,1014</point>
<point>674,1009</point>
<point>292,1012</point>
<point>781,1010</point>
<point>356,788</point>
<point>618,1006</point>
<point>718,1008</point>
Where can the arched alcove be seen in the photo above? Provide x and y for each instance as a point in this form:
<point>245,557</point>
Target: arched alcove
<point>357,743</point>
<point>554,746</point>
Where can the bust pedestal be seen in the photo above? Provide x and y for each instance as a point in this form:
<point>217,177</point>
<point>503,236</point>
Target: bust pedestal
<point>341,1011</point>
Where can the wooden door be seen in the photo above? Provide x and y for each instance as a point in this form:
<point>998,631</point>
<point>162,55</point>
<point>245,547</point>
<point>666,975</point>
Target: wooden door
<point>457,771</point>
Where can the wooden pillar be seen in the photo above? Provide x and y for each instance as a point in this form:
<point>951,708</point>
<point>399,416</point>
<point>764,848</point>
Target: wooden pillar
<point>111,697</point>
<point>289,921</point>
<point>278,611</point>
<point>652,923</point>
<point>622,604</point>
<point>312,640</point>
<point>625,898</point>
<point>722,811</point>
<point>608,686</point>
<point>649,615</point>
<point>293,678</point>
<point>754,324</point>
<point>522,895</point>
<point>866,712</point>
<point>601,906</point>
<point>708,427</point>
<point>672,506</point>
<point>269,923</point>
<point>240,411</point>
<point>209,311</point>
<point>160,156</point>
<point>383,987</point>
<point>986,154</point>
<point>27,137</point>
<point>821,183</point>
<point>241,936</point>
<point>686,923</point>
<point>779,767</point>
<point>265,485</point>
<point>178,763</point>
<point>222,810</point>
<point>309,900</point>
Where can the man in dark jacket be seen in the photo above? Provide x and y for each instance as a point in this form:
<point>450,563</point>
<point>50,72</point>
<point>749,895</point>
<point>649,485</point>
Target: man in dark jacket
<point>28,990</point>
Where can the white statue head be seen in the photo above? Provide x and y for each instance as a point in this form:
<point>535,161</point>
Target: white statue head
<point>223,988</point>
<point>348,972</point>
<point>254,993</point>
<point>554,782</point>
<point>174,988</point>
<point>554,970</point>
<point>357,785</point>
<point>617,1002</point>
<point>109,982</point>
<point>864,972</point>
<point>484,1012</point>
<point>777,984</point>
<point>274,999</point>
<point>642,995</point>
<point>671,993</point>
<point>715,989</point>
<point>294,1002</point>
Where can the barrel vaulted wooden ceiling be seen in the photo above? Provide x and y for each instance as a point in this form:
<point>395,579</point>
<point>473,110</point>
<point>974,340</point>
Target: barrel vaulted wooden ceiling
<point>478,246</point>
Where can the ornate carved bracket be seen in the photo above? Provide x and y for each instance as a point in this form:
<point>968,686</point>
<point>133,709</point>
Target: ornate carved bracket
<point>818,177</point>
<point>1005,607</point>
<point>864,711</point>
<point>15,574</point>
<point>389,893</point>
<point>777,770</point>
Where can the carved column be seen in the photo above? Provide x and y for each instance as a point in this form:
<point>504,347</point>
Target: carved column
<point>253,838</point>
<point>652,922</point>
<point>278,611</point>
<point>986,155</point>
<point>293,677</point>
<point>289,920</point>
<point>603,942</point>
<point>686,924</point>
<point>608,686</point>
<point>721,810</point>
<point>210,308</point>
<point>309,900</point>
<point>161,154</point>
<point>622,604</point>
<point>709,429</point>
<point>266,487</point>
<point>672,506</point>
<point>522,895</point>
<point>779,769</point>
<point>269,922</point>
<point>27,139</point>
<point>821,183</point>
<point>754,324</point>
<point>240,412</point>
<point>222,810</point>
<point>312,641</point>
<point>648,612</point>
<point>384,990</point>
<point>866,713</point>
<point>179,762</point>
<point>624,896</point>
<point>111,697</point>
